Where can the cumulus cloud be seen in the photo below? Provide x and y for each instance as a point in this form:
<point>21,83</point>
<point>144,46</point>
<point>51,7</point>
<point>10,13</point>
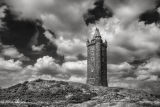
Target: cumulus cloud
<point>54,19</point>
<point>46,68</point>
<point>29,8</point>
<point>37,48</point>
<point>27,37</point>
<point>64,18</point>
<point>63,12</point>
<point>46,65</point>
<point>12,52</point>
<point>63,15</point>
<point>129,10</point>
<point>78,68</point>
<point>145,76</point>
<point>137,41</point>
<point>70,48</point>
<point>149,71</point>
<point>119,72</point>
<point>119,67</point>
<point>69,71</point>
<point>10,65</point>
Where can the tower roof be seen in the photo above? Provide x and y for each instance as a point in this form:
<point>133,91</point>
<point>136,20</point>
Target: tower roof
<point>97,33</point>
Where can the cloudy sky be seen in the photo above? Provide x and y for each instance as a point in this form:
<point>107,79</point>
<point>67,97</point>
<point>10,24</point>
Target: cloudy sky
<point>47,39</point>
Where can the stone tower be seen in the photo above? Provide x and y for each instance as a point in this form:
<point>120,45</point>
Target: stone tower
<point>97,61</point>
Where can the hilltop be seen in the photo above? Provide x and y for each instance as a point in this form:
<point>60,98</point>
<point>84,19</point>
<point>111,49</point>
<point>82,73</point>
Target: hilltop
<point>59,93</point>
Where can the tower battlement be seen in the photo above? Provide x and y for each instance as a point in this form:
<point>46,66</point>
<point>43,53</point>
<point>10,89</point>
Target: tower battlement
<point>96,38</point>
<point>94,42</point>
<point>97,60</point>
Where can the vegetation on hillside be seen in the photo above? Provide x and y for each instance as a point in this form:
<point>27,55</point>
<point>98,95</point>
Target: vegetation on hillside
<point>45,92</point>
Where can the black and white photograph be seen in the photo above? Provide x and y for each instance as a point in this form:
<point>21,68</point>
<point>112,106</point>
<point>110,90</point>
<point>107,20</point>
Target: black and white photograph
<point>79,53</point>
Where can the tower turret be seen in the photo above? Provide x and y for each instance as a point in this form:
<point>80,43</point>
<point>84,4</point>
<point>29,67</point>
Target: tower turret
<point>97,33</point>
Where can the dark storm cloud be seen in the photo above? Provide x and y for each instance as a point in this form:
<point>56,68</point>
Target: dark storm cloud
<point>157,3</point>
<point>15,32</point>
<point>23,34</point>
<point>2,3</point>
<point>158,52</point>
<point>137,62</point>
<point>99,11</point>
<point>151,16</point>
<point>63,17</point>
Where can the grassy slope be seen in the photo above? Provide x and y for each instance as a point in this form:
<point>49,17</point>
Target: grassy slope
<point>64,93</point>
